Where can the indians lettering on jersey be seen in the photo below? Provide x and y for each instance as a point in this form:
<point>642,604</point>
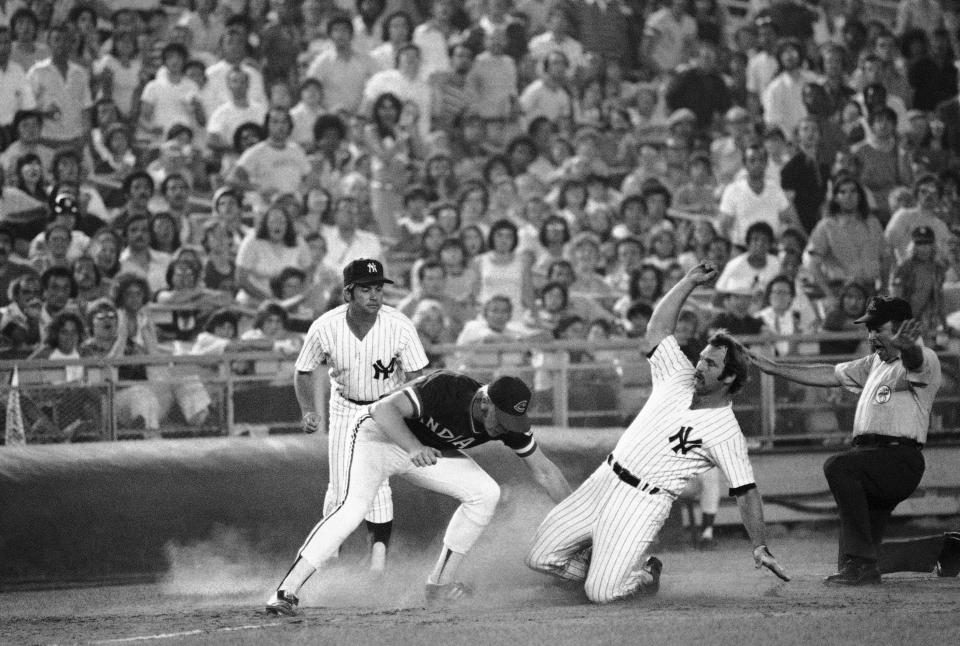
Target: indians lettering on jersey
<point>442,403</point>
<point>445,434</point>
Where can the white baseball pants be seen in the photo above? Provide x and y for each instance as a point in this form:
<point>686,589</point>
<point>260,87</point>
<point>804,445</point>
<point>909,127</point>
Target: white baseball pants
<point>599,535</point>
<point>371,459</point>
<point>342,416</point>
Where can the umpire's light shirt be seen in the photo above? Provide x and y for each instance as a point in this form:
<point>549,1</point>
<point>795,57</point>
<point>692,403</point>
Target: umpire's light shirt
<point>893,400</point>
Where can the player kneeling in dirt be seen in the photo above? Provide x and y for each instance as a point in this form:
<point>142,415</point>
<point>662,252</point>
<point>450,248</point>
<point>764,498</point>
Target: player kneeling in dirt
<point>600,533</point>
<point>419,433</point>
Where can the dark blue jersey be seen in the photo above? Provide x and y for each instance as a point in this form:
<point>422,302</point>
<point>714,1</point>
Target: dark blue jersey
<point>442,419</point>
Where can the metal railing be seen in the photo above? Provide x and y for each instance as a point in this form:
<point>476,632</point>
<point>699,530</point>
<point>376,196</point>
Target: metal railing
<point>576,384</point>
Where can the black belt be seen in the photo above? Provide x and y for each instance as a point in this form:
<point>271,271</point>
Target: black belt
<point>628,478</point>
<point>875,439</point>
<point>360,402</point>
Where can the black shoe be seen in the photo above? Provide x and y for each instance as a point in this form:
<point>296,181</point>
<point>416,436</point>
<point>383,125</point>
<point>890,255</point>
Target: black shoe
<point>654,566</point>
<point>283,603</point>
<point>856,572</point>
<point>948,563</point>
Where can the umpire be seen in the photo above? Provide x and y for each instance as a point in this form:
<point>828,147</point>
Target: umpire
<point>897,384</point>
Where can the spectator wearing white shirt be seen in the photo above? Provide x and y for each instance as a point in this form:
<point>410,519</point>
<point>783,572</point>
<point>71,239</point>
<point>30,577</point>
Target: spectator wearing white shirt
<point>170,98</point>
<point>547,97</point>
<point>433,36</point>
<point>341,69</point>
<point>783,98</point>
<point>225,120</point>
<point>557,38</point>
<point>754,269</point>
<point>62,91</point>
<point>754,198</point>
<point>15,91</point>
<point>118,73</point>
<point>345,241</point>
<point>670,33</point>
<point>762,64</point>
<point>306,112</point>
<point>397,32</point>
<point>275,165</point>
<point>234,46</point>
<point>406,82</point>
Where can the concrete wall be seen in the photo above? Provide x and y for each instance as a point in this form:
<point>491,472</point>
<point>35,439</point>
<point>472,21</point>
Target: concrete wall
<point>108,509</point>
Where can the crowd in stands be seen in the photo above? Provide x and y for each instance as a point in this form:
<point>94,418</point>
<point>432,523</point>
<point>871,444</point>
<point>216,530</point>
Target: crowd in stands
<point>190,176</point>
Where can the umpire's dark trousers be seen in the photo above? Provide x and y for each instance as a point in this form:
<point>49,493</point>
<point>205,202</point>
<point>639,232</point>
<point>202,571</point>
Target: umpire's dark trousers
<point>867,483</point>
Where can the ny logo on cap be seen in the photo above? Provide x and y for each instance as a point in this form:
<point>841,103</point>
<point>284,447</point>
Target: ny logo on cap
<point>521,406</point>
<point>372,267</point>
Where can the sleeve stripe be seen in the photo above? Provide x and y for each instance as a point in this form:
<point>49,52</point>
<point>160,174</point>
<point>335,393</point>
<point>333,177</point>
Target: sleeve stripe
<point>415,400</point>
<point>528,450</point>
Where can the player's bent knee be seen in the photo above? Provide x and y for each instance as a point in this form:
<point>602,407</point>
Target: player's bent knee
<point>598,594</point>
<point>483,501</point>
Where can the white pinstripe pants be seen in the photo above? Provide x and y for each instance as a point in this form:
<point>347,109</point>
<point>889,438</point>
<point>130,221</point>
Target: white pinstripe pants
<point>599,535</point>
<point>370,459</point>
<point>342,415</point>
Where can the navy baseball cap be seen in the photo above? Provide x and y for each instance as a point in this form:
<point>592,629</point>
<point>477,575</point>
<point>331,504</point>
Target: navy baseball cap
<point>881,309</point>
<point>511,398</point>
<point>364,271</point>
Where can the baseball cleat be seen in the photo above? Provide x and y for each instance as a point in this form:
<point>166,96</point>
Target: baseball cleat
<point>948,563</point>
<point>856,572</point>
<point>447,592</point>
<point>654,566</point>
<point>283,603</point>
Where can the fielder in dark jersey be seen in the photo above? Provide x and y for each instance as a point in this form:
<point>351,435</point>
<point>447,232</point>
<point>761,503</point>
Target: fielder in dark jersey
<point>419,433</point>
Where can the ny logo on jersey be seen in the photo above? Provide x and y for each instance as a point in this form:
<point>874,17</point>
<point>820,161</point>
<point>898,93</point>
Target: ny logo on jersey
<point>684,443</point>
<point>381,371</point>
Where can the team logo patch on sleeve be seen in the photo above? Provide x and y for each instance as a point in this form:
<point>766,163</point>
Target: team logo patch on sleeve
<point>883,394</point>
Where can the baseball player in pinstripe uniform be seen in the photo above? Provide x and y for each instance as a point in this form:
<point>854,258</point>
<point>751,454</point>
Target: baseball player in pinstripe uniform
<point>370,349</point>
<point>601,533</point>
<point>420,433</point>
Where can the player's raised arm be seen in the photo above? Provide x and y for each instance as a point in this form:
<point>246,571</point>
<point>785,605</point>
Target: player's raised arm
<point>814,374</point>
<point>664,319</point>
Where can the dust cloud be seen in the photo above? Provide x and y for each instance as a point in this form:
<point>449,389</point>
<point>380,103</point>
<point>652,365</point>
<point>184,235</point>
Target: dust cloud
<point>230,562</point>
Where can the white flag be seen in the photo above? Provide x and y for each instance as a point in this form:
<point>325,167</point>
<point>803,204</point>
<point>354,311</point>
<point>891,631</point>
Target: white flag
<point>14,435</point>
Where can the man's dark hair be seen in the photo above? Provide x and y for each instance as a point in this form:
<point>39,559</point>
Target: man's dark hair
<point>735,362</point>
<point>132,177</point>
<point>58,272</point>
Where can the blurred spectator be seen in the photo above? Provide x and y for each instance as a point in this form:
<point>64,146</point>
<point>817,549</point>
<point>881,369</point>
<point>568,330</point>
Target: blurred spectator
<point>15,91</point>
<point>137,257</point>
<point>928,192</point>
<point>735,317</point>
<point>493,327</point>
<point>132,402</point>
<point>20,324</point>
<point>342,70</point>
<point>501,271</point>
<point>270,330</point>
<point>275,165</point>
<point>222,124</point>
<point>432,285</point>
<point>884,164</point>
<point>781,317</point>
<point>431,323</point>
<point>754,198</point>
<point>187,302</point>
<point>848,243</point>
<point>669,36</point>
<point>919,280</point>
<point>62,90</point>
<point>752,270</point>
<point>700,88</point>
<point>345,240</point>
<point>804,178</point>
<point>263,253</point>
<point>850,306</point>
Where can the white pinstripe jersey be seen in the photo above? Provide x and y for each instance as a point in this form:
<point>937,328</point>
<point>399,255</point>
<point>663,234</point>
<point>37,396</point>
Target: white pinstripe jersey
<point>367,369</point>
<point>667,443</point>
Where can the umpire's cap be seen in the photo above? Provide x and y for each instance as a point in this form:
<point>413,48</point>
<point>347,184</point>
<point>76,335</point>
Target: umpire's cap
<point>511,398</point>
<point>364,271</point>
<point>881,309</point>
